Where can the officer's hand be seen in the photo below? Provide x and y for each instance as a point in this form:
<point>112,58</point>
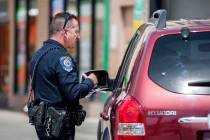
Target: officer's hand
<point>94,78</point>
<point>83,76</point>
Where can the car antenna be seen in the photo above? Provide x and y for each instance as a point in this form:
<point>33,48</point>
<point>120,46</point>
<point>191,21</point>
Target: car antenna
<point>159,18</point>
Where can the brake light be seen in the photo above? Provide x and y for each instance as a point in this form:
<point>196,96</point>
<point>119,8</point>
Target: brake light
<point>129,120</point>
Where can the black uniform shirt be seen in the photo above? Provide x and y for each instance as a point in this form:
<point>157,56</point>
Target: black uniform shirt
<point>57,79</point>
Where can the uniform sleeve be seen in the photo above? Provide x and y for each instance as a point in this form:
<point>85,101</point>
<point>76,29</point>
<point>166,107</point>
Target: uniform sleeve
<point>69,80</point>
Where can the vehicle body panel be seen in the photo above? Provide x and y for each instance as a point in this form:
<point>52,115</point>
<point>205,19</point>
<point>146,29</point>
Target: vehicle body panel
<point>154,98</point>
<point>163,109</point>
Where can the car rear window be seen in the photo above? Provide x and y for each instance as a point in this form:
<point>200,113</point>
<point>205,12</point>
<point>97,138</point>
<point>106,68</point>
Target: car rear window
<point>182,65</point>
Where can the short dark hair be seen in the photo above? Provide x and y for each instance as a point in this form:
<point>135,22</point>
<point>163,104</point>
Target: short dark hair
<point>59,22</point>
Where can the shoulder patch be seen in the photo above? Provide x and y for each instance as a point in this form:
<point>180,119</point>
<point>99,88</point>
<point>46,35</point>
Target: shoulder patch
<point>66,63</point>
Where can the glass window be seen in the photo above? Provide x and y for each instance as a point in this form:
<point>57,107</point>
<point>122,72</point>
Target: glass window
<point>182,66</point>
<point>132,62</point>
<point>136,56</point>
<point>126,67</point>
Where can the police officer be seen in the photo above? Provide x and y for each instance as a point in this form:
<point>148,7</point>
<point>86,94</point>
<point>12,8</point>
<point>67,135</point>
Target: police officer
<point>57,81</point>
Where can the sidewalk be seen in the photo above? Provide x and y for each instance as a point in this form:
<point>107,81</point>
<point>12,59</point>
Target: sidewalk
<point>14,125</point>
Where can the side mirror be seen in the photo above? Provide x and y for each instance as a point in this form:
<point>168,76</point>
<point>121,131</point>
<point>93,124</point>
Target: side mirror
<point>103,78</point>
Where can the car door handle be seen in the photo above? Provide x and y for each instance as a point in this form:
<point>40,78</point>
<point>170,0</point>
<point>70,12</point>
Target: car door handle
<point>195,120</point>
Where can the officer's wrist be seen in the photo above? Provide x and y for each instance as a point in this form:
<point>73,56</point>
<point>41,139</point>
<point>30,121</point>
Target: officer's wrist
<point>90,81</point>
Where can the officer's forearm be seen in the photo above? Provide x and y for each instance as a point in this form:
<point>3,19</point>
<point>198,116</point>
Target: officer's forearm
<point>79,90</point>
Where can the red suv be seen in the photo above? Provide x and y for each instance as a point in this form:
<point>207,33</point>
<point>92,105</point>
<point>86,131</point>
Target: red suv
<point>162,88</point>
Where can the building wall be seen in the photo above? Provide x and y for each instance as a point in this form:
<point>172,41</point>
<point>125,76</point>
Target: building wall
<point>117,38</point>
<point>187,9</point>
<point>11,9</point>
<point>16,101</point>
<point>42,22</point>
<point>121,30</point>
<point>195,9</point>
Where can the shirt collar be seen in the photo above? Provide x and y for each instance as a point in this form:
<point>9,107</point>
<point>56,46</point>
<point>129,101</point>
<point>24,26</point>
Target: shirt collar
<point>52,42</point>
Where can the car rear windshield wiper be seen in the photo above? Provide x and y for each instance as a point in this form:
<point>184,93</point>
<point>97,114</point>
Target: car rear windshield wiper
<point>200,83</point>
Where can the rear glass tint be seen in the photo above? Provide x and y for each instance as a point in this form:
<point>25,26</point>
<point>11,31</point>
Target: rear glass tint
<point>182,66</point>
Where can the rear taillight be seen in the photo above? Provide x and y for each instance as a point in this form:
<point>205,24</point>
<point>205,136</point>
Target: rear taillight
<point>129,120</point>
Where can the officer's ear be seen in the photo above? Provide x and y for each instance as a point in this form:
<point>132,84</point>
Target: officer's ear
<point>64,32</point>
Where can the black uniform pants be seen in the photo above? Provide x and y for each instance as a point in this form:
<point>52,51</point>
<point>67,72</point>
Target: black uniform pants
<point>67,133</point>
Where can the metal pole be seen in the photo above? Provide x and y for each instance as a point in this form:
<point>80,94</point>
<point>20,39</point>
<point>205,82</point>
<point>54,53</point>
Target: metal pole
<point>15,88</point>
<point>106,36</point>
<point>93,28</point>
<point>27,37</point>
<point>78,43</point>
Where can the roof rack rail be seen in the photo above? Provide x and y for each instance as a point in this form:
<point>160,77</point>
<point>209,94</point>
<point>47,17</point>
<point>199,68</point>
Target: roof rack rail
<point>159,18</point>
